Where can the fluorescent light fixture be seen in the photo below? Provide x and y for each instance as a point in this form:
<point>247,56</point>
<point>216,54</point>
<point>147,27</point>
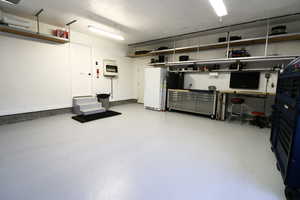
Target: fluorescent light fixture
<point>219,7</point>
<point>13,2</point>
<point>105,33</point>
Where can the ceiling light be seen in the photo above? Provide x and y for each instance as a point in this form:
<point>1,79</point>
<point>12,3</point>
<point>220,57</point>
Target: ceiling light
<point>14,2</point>
<point>105,33</point>
<point>219,7</point>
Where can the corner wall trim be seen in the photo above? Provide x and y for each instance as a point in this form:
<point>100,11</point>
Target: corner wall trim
<point>11,119</point>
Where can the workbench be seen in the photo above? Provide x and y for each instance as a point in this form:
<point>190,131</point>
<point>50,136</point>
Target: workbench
<point>223,99</point>
<point>243,92</point>
<point>193,101</point>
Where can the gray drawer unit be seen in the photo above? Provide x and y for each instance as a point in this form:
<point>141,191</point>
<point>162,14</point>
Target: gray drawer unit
<point>200,102</point>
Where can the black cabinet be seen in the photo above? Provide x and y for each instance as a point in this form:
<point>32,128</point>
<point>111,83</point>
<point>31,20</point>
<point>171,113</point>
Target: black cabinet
<point>285,136</point>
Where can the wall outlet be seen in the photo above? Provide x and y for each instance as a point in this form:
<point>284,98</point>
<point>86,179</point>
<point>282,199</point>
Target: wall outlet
<point>272,85</point>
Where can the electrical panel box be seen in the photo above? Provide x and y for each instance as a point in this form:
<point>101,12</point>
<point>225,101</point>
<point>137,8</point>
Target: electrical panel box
<point>110,68</point>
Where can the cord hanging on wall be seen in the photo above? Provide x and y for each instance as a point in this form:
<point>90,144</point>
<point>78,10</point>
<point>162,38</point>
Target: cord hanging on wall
<point>111,87</point>
<point>267,76</point>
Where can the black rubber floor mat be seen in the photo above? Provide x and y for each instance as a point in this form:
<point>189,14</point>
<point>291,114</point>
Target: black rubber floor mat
<point>88,118</point>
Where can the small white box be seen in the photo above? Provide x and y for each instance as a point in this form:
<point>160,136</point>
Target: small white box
<point>214,74</point>
<point>110,68</point>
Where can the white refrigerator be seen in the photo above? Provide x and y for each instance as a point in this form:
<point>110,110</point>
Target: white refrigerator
<point>155,88</point>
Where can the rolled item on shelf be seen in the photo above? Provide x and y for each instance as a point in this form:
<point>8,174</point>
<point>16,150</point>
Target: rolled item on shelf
<point>1,15</point>
<point>16,22</point>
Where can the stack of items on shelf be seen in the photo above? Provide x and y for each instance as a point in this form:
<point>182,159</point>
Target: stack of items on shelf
<point>161,58</point>
<point>184,58</point>
<point>61,33</point>
<point>162,48</point>
<point>232,38</point>
<point>195,68</point>
<point>141,52</point>
<point>239,53</point>
<point>278,30</point>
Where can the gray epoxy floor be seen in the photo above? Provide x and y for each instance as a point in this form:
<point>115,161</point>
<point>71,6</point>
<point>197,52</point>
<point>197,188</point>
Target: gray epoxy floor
<point>140,155</point>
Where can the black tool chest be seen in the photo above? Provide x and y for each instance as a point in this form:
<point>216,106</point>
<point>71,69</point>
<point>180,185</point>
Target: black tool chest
<point>285,137</point>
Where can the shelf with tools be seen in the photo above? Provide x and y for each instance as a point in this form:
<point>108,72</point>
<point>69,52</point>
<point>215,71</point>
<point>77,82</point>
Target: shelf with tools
<point>249,41</point>
<point>222,65</point>
<point>227,60</point>
<point>31,34</point>
<point>224,70</point>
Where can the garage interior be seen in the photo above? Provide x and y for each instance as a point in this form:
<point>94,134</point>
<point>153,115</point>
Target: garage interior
<point>134,100</point>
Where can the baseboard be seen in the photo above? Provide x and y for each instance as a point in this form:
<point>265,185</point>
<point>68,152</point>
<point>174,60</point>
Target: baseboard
<point>11,119</point>
<point>128,101</point>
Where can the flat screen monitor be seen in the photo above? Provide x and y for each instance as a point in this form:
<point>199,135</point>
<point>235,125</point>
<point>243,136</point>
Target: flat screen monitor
<point>244,80</point>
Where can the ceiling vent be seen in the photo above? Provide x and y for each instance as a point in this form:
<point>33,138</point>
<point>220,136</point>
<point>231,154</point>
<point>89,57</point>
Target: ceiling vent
<point>14,2</point>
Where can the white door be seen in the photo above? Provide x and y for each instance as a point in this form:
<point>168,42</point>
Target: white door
<point>81,62</point>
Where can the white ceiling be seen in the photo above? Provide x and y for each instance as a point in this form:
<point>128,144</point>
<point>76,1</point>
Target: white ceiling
<point>142,20</point>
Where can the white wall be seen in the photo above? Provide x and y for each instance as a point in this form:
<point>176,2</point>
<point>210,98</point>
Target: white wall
<point>33,76</point>
<point>36,75</point>
<point>203,80</point>
<point>123,84</point>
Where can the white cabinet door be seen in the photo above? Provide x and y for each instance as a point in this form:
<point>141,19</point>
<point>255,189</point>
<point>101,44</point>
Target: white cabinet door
<point>153,88</point>
<point>81,63</point>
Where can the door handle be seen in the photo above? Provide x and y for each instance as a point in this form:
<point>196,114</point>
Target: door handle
<point>89,74</point>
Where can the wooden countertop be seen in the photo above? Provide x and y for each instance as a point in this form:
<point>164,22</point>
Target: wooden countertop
<point>246,92</point>
<point>179,90</point>
<point>233,92</point>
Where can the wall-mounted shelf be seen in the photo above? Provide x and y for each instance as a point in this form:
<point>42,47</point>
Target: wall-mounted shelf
<point>157,64</point>
<point>227,60</point>
<point>250,41</point>
<point>188,71</point>
<point>225,70</point>
<point>31,34</point>
<point>234,60</point>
